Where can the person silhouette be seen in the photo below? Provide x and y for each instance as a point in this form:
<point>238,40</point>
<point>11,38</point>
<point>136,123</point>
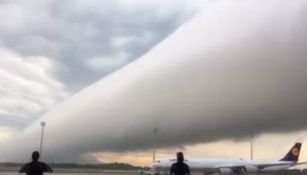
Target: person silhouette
<point>35,167</point>
<point>180,168</point>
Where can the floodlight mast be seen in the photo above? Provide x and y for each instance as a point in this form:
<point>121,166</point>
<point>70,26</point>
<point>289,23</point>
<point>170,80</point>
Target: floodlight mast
<point>252,147</point>
<point>154,144</point>
<point>42,124</point>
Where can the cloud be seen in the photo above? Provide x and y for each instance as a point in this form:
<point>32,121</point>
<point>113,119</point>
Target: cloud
<point>111,62</point>
<point>27,88</point>
<point>76,43</point>
<point>49,51</point>
<point>82,41</point>
<point>74,31</point>
<point>6,134</point>
<point>235,69</point>
<point>134,158</point>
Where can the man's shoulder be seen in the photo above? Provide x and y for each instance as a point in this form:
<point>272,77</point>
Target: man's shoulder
<point>185,164</point>
<point>180,164</point>
<point>174,164</point>
<point>27,164</point>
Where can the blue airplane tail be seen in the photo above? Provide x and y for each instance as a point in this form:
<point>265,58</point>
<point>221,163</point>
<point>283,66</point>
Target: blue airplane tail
<point>293,154</point>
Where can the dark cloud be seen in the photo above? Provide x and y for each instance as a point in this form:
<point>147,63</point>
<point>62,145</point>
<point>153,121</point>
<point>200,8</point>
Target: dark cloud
<point>221,75</point>
<point>74,32</point>
<point>78,42</point>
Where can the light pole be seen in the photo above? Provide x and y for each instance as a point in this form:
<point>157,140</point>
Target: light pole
<point>154,131</point>
<point>43,124</point>
<point>252,146</point>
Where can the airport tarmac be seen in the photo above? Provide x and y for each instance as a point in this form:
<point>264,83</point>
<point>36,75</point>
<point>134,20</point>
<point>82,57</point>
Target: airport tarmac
<point>16,173</point>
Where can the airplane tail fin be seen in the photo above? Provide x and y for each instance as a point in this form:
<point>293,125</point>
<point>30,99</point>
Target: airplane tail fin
<point>293,154</point>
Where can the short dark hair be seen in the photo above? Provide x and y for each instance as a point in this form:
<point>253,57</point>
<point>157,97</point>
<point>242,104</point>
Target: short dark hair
<point>180,156</point>
<point>35,155</point>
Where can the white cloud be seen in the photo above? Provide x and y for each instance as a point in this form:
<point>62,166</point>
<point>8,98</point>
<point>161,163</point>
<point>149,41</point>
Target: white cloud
<point>6,133</point>
<point>26,87</point>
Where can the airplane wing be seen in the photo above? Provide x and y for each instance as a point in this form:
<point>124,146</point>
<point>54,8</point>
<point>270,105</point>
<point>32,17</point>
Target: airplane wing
<point>267,165</point>
<point>231,166</point>
<point>236,168</point>
<point>223,169</point>
<point>301,163</point>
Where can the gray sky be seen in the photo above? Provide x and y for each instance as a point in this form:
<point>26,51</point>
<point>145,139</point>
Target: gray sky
<point>234,70</point>
<point>52,49</point>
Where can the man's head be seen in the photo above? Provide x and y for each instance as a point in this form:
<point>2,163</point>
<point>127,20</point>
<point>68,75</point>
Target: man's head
<point>35,156</point>
<point>180,157</point>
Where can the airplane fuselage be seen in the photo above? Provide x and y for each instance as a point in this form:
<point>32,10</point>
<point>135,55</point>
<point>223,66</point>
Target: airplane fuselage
<point>209,166</point>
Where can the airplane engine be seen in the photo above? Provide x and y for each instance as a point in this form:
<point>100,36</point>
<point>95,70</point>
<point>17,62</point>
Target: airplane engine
<point>239,170</point>
<point>227,171</point>
<point>251,169</point>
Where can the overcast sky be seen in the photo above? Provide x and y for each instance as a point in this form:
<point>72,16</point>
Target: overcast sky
<point>52,49</point>
<point>236,63</point>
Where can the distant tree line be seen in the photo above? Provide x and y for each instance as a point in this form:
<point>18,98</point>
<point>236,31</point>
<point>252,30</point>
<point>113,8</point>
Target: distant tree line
<point>109,166</point>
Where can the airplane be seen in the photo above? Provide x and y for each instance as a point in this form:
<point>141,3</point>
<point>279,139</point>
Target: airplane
<point>233,166</point>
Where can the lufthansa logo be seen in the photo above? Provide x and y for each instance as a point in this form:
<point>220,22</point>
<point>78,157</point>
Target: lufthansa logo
<point>295,152</point>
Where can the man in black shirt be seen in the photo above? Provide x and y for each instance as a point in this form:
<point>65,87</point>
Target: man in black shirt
<point>35,167</point>
<point>180,168</point>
